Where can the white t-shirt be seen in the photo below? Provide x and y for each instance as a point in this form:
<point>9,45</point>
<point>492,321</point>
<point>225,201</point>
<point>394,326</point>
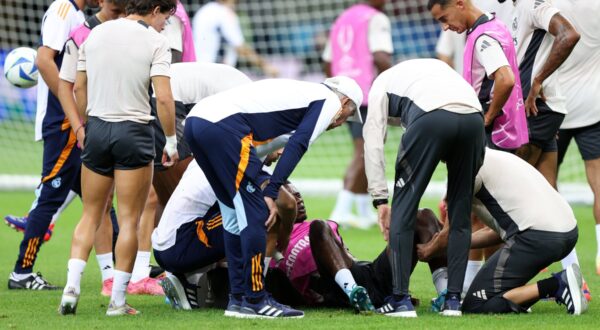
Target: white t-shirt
<point>120,57</point>
<point>489,57</point>
<point>580,73</point>
<point>427,84</point>
<point>379,37</point>
<point>532,18</point>
<point>512,196</point>
<point>192,82</point>
<point>212,23</point>
<point>192,198</point>
<point>60,18</point>
<point>452,44</point>
<point>174,33</point>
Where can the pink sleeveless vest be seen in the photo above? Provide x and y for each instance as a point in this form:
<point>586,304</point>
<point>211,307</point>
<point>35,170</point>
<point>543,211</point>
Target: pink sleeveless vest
<point>510,128</point>
<point>350,47</point>
<point>298,263</point>
<point>80,34</point>
<point>188,53</point>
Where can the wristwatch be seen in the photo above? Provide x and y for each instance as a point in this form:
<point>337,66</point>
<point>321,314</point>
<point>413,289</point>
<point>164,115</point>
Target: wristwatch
<point>379,201</point>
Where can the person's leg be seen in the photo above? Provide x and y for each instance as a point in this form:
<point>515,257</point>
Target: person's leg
<point>132,187</point>
<point>463,161</point>
<point>427,226</point>
<point>592,170</point>
<point>166,181</point>
<point>60,169</point>
<point>103,247</point>
<point>547,164</point>
<point>95,191</point>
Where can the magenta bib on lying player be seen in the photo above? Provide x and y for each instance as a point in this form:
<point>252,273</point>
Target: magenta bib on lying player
<point>510,128</point>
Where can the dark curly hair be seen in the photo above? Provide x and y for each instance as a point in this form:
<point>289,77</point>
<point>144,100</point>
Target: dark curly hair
<point>145,7</point>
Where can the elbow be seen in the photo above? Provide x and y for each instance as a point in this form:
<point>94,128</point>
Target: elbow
<point>570,39</point>
<point>165,100</point>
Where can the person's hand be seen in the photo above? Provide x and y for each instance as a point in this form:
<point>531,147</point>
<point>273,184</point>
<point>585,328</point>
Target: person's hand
<point>487,119</point>
<point>383,218</point>
<point>80,134</point>
<point>534,91</point>
<point>169,160</point>
<point>272,219</point>
<point>427,251</point>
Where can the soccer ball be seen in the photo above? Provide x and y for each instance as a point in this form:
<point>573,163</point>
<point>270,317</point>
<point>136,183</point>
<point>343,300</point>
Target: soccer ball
<point>19,67</point>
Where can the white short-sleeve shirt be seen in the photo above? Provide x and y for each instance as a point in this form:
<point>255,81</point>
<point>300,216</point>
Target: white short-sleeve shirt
<point>120,57</point>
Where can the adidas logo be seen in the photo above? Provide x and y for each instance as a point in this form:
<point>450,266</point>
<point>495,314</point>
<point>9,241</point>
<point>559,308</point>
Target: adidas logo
<point>484,45</point>
<point>480,294</point>
<point>400,183</point>
<point>106,267</point>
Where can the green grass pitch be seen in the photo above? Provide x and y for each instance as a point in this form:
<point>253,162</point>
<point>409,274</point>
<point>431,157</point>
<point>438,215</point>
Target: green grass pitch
<point>29,310</point>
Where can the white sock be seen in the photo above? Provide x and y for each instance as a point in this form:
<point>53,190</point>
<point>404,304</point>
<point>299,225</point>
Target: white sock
<point>105,262</point>
<point>75,269</point>
<point>141,267</point>
<point>345,280</point>
<point>19,277</point>
<point>364,207</point>
<point>121,279</point>
<point>473,267</point>
<point>598,241</point>
<point>343,204</point>
<point>570,259</point>
<point>440,279</point>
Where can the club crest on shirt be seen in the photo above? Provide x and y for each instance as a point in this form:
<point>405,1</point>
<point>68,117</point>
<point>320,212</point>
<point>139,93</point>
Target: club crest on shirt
<point>250,188</point>
<point>56,183</point>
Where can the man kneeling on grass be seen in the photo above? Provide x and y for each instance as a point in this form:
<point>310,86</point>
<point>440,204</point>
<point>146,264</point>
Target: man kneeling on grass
<point>538,227</point>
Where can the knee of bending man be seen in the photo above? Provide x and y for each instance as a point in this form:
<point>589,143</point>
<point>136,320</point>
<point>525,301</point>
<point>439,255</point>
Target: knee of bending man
<point>427,225</point>
<point>318,231</point>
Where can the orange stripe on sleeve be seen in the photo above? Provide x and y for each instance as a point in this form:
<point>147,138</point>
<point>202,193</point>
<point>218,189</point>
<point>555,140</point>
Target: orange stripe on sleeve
<point>244,157</point>
<point>63,157</point>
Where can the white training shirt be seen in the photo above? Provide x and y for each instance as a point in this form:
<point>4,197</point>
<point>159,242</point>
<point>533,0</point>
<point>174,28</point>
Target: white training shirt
<point>192,198</point>
<point>61,17</point>
<point>530,24</point>
<point>425,85</point>
<point>120,57</point>
<point>512,196</point>
<point>174,32</point>
<point>211,24</point>
<point>580,73</point>
<point>191,82</point>
<point>489,57</point>
<point>379,37</point>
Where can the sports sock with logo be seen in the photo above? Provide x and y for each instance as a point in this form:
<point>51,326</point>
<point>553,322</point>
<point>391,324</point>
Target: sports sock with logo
<point>121,279</point>
<point>105,262</point>
<point>141,267</point>
<point>570,259</point>
<point>473,267</point>
<point>343,204</point>
<point>75,269</point>
<point>345,280</point>
<point>19,277</point>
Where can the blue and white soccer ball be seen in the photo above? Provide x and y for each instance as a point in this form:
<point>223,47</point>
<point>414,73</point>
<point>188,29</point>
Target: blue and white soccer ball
<point>19,67</point>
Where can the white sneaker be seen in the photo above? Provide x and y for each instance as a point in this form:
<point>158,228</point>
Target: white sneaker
<point>125,309</point>
<point>68,302</point>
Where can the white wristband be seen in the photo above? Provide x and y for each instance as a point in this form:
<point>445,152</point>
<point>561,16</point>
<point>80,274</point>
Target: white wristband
<point>171,145</point>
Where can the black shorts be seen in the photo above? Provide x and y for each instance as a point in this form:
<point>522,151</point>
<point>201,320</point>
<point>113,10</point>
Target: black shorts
<point>356,128</point>
<point>543,128</point>
<point>587,138</point>
<point>518,261</point>
<point>110,146</point>
<point>181,111</point>
<point>374,276</point>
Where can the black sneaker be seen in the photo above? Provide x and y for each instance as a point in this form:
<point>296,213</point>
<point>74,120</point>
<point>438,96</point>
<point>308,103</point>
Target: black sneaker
<point>452,305</point>
<point>32,282</point>
<point>184,295</point>
<point>398,308</point>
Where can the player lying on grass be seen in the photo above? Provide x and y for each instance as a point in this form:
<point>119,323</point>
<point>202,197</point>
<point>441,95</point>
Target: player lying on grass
<point>521,209</point>
<point>321,271</point>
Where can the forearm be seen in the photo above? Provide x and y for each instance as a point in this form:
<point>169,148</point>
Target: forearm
<point>565,39</point>
<point>166,115</point>
<point>502,89</point>
<point>80,91</point>
<point>374,135</point>
<point>49,72</point>
<point>67,101</point>
<point>485,237</point>
<point>251,56</point>
<point>382,61</point>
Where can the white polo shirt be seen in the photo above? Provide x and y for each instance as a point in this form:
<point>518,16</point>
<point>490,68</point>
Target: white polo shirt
<point>120,57</point>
